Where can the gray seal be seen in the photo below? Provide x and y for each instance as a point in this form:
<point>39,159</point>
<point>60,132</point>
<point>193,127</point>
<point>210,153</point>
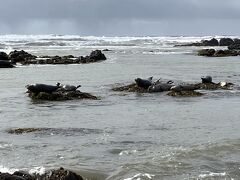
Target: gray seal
<point>187,87</point>
<point>207,79</point>
<point>68,87</point>
<point>36,88</point>
<point>144,83</point>
<point>160,87</point>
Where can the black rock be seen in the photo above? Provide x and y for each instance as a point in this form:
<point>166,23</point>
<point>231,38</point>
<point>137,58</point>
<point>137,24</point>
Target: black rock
<point>212,42</point>
<point>97,55</point>
<point>206,52</point>
<point>20,56</point>
<point>225,42</point>
<point>235,46</point>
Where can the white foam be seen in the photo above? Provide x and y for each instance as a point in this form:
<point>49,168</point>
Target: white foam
<point>37,170</point>
<point>4,169</point>
<point>140,175</point>
<point>212,174</point>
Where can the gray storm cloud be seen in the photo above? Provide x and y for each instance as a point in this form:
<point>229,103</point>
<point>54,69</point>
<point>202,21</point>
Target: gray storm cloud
<point>120,17</point>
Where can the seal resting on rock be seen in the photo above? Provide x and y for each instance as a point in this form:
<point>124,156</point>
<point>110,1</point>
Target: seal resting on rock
<point>160,86</point>
<point>68,87</point>
<point>144,83</point>
<point>37,88</point>
<point>187,87</point>
<point>207,79</point>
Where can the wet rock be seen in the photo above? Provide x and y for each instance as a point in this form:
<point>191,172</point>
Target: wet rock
<point>206,52</point>
<point>217,53</point>
<point>234,46</point>
<point>61,95</point>
<point>184,93</point>
<point>6,64</point>
<point>212,42</point>
<point>214,86</point>
<point>225,42</point>
<point>130,88</point>
<point>62,174</point>
<point>20,56</point>
<point>3,56</point>
<point>23,130</point>
<point>224,53</point>
<point>97,55</point>
<point>58,174</point>
<point>236,41</point>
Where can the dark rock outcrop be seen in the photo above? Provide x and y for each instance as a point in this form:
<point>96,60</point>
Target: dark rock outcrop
<point>62,95</point>
<point>59,174</point>
<point>21,56</point>
<point>3,56</point>
<point>211,42</point>
<point>225,41</point>
<point>184,93</point>
<point>206,52</point>
<point>217,53</point>
<point>234,46</point>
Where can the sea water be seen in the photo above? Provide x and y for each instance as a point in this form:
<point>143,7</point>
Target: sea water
<point>127,136</point>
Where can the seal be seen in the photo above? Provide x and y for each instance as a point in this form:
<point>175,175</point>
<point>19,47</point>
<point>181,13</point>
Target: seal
<point>207,79</point>
<point>187,87</point>
<point>6,64</point>
<point>144,83</point>
<point>37,88</point>
<point>160,87</point>
<point>68,87</point>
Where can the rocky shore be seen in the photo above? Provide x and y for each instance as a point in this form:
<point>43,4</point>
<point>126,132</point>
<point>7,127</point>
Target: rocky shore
<point>26,58</point>
<point>233,47</point>
<point>58,174</point>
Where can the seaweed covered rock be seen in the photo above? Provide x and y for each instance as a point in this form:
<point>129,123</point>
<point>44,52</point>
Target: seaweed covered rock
<point>217,53</point>
<point>130,88</point>
<point>23,130</point>
<point>206,52</point>
<point>215,86</point>
<point>184,93</point>
<point>61,174</point>
<point>58,174</point>
<point>61,95</point>
<point>95,56</point>
<point>20,56</point>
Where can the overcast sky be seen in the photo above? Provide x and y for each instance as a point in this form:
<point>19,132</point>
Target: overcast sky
<point>120,17</point>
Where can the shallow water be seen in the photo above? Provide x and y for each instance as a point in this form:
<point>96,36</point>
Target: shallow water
<point>124,135</point>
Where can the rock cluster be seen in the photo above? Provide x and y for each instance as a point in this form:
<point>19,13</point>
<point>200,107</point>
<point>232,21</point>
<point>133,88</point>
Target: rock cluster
<point>26,58</point>
<point>182,90</point>
<point>218,53</point>
<point>58,174</point>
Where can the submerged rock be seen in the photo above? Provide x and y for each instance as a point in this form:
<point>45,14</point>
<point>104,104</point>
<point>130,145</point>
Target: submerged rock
<point>23,130</point>
<point>61,95</point>
<point>184,93</point>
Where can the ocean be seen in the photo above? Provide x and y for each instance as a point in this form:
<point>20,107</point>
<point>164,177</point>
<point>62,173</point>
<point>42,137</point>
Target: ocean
<point>122,136</point>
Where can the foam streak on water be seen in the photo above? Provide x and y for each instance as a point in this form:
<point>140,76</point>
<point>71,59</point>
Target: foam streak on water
<point>123,135</point>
